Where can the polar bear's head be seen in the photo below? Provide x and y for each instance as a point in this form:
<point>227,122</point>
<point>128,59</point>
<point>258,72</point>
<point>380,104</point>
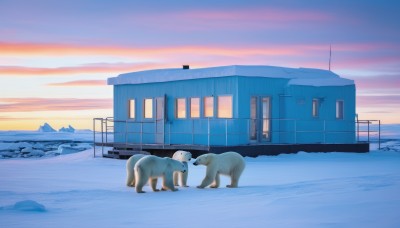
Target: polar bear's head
<point>183,156</point>
<point>202,159</point>
<point>177,165</point>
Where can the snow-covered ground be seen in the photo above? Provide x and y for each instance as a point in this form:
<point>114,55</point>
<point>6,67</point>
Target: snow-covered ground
<point>289,190</point>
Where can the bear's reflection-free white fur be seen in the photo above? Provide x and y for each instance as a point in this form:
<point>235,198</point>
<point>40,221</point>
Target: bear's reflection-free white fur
<point>130,173</point>
<point>229,163</point>
<point>184,157</point>
<point>151,167</point>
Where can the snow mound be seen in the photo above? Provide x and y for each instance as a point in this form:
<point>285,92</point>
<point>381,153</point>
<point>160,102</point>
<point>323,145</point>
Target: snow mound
<point>68,129</point>
<point>27,205</point>
<point>46,128</point>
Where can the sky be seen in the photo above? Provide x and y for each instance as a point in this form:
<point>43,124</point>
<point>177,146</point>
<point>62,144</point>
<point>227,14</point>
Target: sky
<point>55,56</point>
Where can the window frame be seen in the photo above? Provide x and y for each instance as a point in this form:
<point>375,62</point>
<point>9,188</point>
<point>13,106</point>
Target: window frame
<point>152,108</point>
<point>130,108</point>
<point>339,109</point>
<point>212,107</point>
<point>199,107</point>
<point>218,106</point>
<point>315,108</point>
<point>177,108</point>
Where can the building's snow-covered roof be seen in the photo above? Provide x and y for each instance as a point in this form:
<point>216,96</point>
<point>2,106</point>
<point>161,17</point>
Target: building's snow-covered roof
<point>297,76</point>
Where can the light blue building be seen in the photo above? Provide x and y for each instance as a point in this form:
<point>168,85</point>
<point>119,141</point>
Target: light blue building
<point>233,106</point>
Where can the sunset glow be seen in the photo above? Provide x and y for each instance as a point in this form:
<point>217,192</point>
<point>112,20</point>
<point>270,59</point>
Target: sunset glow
<point>55,56</point>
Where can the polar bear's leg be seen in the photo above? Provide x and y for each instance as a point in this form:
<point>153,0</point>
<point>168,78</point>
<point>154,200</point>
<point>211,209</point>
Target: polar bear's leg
<point>235,177</point>
<point>130,178</point>
<point>154,184</point>
<point>216,182</point>
<point>176,177</point>
<point>184,176</point>
<point>141,177</point>
<point>168,182</point>
<point>210,176</point>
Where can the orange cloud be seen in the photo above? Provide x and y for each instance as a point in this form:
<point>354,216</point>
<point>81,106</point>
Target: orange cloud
<point>28,49</point>
<point>52,104</point>
<point>89,68</point>
<point>81,83</point>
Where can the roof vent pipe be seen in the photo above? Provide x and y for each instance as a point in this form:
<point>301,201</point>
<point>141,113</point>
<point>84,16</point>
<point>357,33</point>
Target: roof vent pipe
<point>185,67</point>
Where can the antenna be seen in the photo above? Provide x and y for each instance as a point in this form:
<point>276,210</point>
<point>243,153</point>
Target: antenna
<point>330,56</point>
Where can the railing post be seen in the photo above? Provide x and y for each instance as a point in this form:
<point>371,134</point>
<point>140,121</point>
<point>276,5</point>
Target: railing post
<point>102,138</point>
<point>106,130</point>
<point>379,134</point>
<point>141,135</point>
<point>226,132</point>
<point>324,131</point>
<point>94,137</point>
<point>208,133</point>
<point>192,131</point>
<point>368,129</point>
<point>295,131</point>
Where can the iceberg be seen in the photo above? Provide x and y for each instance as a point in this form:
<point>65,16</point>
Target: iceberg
<point>46,128</point>
<point>68,129</point>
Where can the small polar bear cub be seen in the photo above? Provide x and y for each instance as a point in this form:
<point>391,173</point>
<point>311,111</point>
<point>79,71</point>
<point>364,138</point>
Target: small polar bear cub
<point>184,157</point>
<point>229,163</point>
<point>150,167</point>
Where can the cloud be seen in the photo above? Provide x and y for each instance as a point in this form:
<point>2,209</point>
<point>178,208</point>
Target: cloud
<point>52,104</point>
<point>39,49</point>
<point>87,68</point>
<point>378,101</point>
<point>81,83</point>
<point>378,82</point>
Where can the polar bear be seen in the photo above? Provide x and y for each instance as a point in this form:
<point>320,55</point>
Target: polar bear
<point>229,163</point>
<point>184,157</point>
<point>151,167</point>
<point>130,173</point>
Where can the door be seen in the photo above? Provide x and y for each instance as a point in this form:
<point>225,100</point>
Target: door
<point>160,120</point>
<point>260,119</point>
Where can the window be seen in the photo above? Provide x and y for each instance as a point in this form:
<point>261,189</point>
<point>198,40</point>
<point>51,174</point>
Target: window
<point>208,106</point>
<point>148,108</point>
<point>181,108</point>
<point>132,109</point>
<point>195,107</point>
<point>315,106</point>
<point>339,109</point>
<point>224,106</point>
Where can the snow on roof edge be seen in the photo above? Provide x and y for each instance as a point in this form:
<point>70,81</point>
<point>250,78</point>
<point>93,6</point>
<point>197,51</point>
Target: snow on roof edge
<point>298,76</point>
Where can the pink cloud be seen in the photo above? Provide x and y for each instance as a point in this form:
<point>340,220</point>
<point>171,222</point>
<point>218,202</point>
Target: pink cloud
<point>81,83</point>
<point>88,68</point>
<point>378,101</point>
<point>378,82</point>
<point>52,104</point>
<point>259,14</point>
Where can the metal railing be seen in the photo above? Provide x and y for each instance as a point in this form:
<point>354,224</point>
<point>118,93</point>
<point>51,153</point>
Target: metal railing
<point>369,131</point>
<point>224,132</point>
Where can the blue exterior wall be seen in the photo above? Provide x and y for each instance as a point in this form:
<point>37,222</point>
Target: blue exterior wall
<point>291,112</point>
<point>298,105</point>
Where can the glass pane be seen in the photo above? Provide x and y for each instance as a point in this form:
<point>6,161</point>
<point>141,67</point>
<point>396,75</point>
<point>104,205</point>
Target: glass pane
<point>181,108</point>
<point>339,109</point>
<point>132,109</point>
<point>266,117</point>
<point>224,107</point>
<point>148,108</point>
<point>315,107</point>
<point>208,106</point>
<point>195,107</point>
<point>253,116</point>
